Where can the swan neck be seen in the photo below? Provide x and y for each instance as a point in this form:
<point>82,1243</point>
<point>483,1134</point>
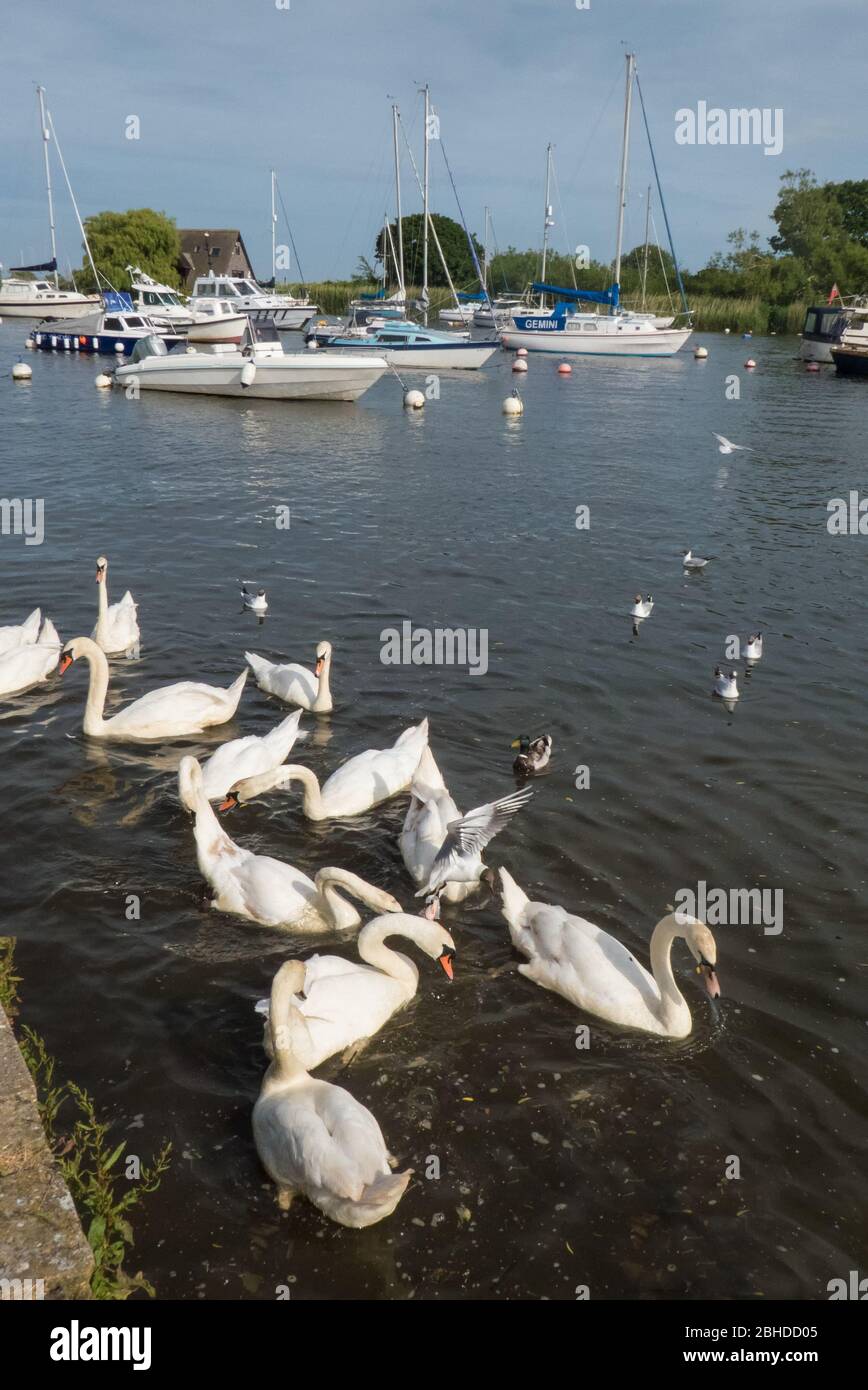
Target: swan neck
<point>341,914</point>
<point>97,688</point>
<point>672,1001</point>
<point>323,691</point>
<point>374,951</point>
<point>283,1018</point>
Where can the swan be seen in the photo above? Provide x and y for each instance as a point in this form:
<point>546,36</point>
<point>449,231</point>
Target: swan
<point>459,858</point>
<point>362,781</point>
<point>315,1138</point>
<point>267,890</point>
<point>591,969</point>
<point>22,635</point>
<point>22,667</point>
<point>725,685</point>
<point>430,812</point>
<point>171,711</point>
<point>693,562</point>
<point>640,609</point>
<point>117,627</point>
<point>294,684</point>
<point>752,649</point>
<point>257,602</point>
<point>533,754</point>
<point>347,1001</point>
<point>246,757</point>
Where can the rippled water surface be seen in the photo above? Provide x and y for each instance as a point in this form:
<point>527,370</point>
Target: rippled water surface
<point>558,1167</point>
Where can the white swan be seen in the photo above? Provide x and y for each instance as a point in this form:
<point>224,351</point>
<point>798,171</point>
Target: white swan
<point>726,686</point>
<point>23,667</point>
<point>21,635</point>
<point>168,712</point>
<point>267,890</point>
<point>346,1001</point>
<point>430,812</point>
<point>752,649</point>
<point>642,609</point>
<point>315,1138</point>
<point>459,858</point>
<point>117,627</point>
<point>294,684</point>
<point>362,782</point>
<point>693,562</point>
<point>247,757</point>
<point>591,969</point>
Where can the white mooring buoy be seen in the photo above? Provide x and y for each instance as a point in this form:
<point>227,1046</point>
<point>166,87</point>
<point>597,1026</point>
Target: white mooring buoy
<point>519,365</point>
<point>30,343</point>
<point>312,345</point>
<point>102,382</point>
<point>522,352</point>
<point>22,371</point>
<point>413,400</point>
<point>513,405</point>
<point>700,353</point>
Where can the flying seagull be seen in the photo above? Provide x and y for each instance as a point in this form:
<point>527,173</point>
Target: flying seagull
<point>459,857</point>
<point>726,446</point>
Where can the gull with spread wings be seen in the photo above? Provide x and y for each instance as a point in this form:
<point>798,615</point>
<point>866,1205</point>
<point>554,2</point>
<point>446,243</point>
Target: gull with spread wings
<point>459,859</point>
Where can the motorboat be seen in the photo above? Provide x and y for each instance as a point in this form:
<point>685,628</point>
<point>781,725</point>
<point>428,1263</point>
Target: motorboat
<point>112,331</point>
<point>850,359</point>
<point>163,305</point>
<point>496,313</point>
<point>245,296</point>
<point>40,299</point>
<point>257,368</point>
<point>408,344</point>
<point>828,326</point>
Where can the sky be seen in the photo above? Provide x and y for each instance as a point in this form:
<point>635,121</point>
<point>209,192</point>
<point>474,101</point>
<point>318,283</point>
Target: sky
<point>225,90</point>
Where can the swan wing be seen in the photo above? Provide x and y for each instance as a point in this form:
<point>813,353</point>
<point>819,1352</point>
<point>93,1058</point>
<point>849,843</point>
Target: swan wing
<point>297,1147</point>
<point>26,665</point>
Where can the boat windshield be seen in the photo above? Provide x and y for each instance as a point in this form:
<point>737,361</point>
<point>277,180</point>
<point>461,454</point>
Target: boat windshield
<point>244,287</point>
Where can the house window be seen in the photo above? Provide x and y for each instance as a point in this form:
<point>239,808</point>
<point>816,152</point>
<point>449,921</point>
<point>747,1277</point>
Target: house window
<point>215,251</point>
<point>196,249</point>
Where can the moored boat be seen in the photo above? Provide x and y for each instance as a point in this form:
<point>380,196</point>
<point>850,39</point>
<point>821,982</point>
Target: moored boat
<point>410,345</point>
<point>211,293</point>
<point>850,360</point>
<point>112,331</point>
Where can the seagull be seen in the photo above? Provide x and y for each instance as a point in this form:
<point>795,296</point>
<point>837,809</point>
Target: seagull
<point>693,562</point>
<point>752,649</point>
<point>258,602</point>
<point>459,857</point>
<point>725,685</point>
<point>726,446</point>
<point>640,609</point>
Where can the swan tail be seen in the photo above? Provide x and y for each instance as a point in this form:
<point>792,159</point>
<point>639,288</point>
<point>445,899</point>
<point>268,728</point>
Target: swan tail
<point>514,898</point>
<point>284,736</point>
<point>260,667</point>
<point>378,1199</point>
<point>427,778</point>
<point>416,731</point>
<point>235,689</point>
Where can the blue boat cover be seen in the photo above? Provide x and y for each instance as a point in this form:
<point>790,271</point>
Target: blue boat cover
<point>48,265</point>
<point>609,296</point>
<point>117,301</point>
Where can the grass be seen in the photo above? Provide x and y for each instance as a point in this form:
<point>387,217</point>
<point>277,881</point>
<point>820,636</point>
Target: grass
<point>103,1193</point>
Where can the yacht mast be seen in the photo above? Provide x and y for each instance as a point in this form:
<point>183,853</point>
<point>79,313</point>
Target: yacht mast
<point>40,92</point>
<point>273,235</point>
<point>425,211</point>
<point>548,220</point>
<point>647,224</point>
<point>398,201</point>
<point>625,150</point>
<point>485,251</point>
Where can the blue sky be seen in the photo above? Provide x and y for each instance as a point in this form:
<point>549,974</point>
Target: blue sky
<point>226,89</point>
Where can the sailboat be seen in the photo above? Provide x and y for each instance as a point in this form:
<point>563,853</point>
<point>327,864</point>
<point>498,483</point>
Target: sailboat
<point>42,299</point>
<point>618,333</point>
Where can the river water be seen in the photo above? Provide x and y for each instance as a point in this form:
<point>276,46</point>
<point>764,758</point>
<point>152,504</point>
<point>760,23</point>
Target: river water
<point>610,1166</point>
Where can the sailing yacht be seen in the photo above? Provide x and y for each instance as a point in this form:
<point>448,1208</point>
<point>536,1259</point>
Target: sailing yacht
<point>40,299</point>
<point>618,333</point>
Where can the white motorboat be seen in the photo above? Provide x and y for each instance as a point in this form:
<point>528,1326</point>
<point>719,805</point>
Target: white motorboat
<point>40,299</point>
<point>257,369</point>
<point>162,305</point>
<point>405,344</point>
<point>458,314</point>
<point>828,326</point>
<point>246,297</point>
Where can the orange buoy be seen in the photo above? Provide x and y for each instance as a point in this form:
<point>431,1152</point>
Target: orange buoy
<point>564,369</point>
<point>522,352</point>
<point>750,362</point>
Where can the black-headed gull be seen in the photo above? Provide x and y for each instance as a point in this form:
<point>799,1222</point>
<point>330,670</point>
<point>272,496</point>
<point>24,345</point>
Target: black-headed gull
<point>726,446</point>
<point>641,609</point>
<point>459,857</point>
<point>257,602</point>
<point>693,562</point>
<point>752,649</point>
<point>726,686</point>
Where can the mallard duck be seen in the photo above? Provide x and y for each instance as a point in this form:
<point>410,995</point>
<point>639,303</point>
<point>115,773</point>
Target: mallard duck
<point>533,754</point>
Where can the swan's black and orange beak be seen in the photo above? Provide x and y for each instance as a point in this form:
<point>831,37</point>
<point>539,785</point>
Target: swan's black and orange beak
<point>100,574</point>
<point>446,961</point>
<point>230,802</point>
<point>66,661</point>
<point>320,662</point>
<point>709,978</point>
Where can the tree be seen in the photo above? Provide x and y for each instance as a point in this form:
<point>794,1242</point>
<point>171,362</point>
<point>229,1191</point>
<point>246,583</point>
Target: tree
<point>139,237</point>
<point>452,240</point>
<point>852,197</point>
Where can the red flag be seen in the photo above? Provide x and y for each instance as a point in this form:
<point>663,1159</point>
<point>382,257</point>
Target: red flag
<point>834,293</point>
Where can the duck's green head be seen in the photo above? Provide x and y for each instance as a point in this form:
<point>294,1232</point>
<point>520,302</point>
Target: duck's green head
<point>522,743</point>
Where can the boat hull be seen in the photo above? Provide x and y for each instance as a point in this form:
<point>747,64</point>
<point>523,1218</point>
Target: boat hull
<point>655,342</point>
<point>54,339</point>
<point>44,309</point>
<point>439,357</point>
<point>850,361</point>
<point>307,379</point>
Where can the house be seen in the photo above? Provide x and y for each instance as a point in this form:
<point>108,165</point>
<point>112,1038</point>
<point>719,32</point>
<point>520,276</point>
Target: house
<point>220,249</point>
